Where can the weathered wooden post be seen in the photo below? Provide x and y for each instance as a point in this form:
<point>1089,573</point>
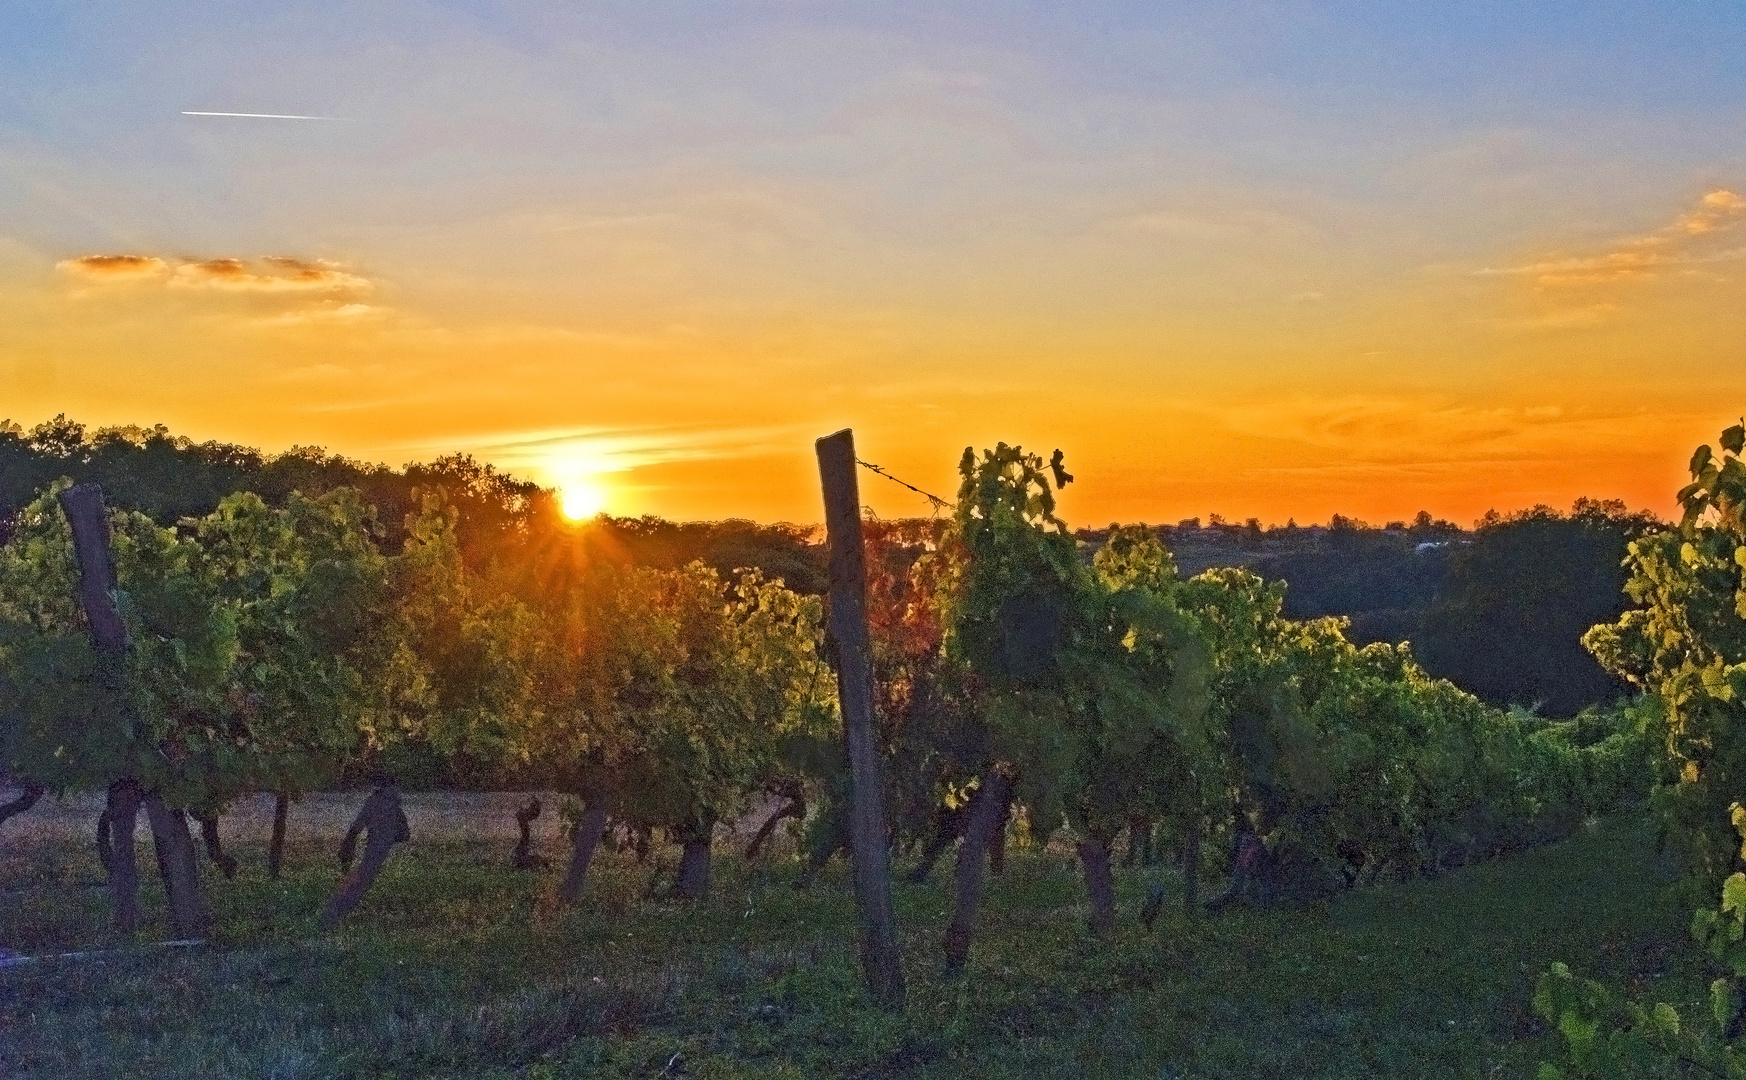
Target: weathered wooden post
<point>83,505</point>
<point>869,844</point>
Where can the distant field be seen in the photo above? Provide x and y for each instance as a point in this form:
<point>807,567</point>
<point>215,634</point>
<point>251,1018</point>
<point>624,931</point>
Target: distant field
<point>456,967</point>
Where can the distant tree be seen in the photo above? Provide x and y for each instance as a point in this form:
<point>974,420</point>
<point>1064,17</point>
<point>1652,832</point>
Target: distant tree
<point>1509,621</point>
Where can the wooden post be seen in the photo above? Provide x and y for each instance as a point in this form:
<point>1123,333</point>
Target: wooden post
<point>869,844</point>
<point>83,505</point>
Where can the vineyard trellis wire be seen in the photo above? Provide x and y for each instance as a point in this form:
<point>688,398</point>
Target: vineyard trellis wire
<point>934,501</point>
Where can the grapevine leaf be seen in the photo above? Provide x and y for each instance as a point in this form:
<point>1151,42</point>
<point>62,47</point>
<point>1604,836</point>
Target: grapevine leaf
<point>1724,1002</point>
<point>1580,1033</point>
<point>1699,459</point>
<point>1734,439</point>
<point>1734,893</point>
<point>1666,1019</point>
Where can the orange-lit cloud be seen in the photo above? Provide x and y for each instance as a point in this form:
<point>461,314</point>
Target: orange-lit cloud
<point>105,269</point>
<point>330,315</point>
<point>1688,240</point>
<point>273,274</point>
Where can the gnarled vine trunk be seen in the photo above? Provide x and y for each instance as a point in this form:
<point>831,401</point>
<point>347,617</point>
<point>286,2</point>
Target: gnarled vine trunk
<point>523,857</point>
<point>276,847</point>
<point>794,808</point>
<point>692,882</point>
<point>27,798</point>
<point>215,847</point>
<point>1099,881</point>
<point>177,862</point>
<point>115,848</point>
<point>582,847</point>
<point>384,822</point>
<point>1191,869</point>
<point>1190,863</point>
<point>948,827</point>
<point>997,845</point>
<point>987,812</point>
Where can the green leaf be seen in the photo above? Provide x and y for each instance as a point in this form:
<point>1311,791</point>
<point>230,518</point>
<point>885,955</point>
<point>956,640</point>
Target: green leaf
<point>1579,1032</point>
<point>1666,1018</point>
<point>1703,922</point>
<point>1734,893</point>
<point>1699,459</point>
<point>1724,1002</point>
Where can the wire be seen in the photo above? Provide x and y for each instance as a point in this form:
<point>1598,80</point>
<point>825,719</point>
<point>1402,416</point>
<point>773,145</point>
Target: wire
<point>934,500</point>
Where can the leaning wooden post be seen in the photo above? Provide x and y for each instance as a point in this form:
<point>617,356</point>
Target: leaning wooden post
<point>870,850</point>
<point>83,505</point>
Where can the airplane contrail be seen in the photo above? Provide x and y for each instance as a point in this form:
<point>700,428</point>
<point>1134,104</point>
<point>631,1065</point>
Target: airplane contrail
<point>259,116</point>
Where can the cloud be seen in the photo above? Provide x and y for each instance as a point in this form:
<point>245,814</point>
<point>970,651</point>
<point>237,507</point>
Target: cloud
<point>1567,318</point>
<point>272,274</point>
<point>1362,433</point>
<point>336,315</point>
<point>595,450</point>
<point>1719,209</point>
<point>115,268</point>
<point>1689,240</point>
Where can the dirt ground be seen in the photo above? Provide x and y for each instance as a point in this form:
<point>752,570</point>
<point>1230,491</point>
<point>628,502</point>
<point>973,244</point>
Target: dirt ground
<point>316,823</point>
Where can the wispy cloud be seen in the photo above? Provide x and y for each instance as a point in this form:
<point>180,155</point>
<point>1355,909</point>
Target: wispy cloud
<point>331,315</point>
<point>272,274</point>
<point>1362,433</point>
<point>1697,236</point>
<point>558,452</point>
<point>104,269</point>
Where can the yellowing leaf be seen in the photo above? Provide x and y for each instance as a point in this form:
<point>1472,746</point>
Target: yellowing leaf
<point>1734,893</point>
<point>1666,1018</point>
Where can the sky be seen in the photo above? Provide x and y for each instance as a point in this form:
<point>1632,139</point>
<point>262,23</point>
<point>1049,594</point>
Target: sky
<point>1279,260</point>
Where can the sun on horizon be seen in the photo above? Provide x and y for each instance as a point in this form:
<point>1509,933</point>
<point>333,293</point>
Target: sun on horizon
<point>580,499</point>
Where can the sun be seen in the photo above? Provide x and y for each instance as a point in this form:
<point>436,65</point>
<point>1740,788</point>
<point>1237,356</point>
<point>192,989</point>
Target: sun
<point>581,499</point>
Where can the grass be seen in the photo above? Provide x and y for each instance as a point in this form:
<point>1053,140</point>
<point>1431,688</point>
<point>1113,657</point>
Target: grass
<point>456,966</point>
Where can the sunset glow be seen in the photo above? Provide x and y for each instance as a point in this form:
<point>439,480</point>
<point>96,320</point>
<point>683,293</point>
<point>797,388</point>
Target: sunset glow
<point>581,500</point>
<point>1277,266</point>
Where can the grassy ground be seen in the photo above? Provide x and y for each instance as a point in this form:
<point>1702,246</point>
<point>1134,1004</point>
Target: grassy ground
<point>456,967</point>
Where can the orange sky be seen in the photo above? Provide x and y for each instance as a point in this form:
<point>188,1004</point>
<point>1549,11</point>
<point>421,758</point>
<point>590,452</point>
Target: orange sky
<point>667,269</point>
